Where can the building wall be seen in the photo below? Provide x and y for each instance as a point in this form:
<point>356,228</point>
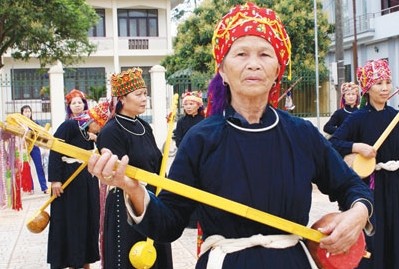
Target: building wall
<point>112,53</point>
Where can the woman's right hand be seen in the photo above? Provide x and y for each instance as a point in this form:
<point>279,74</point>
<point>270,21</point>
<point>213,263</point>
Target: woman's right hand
<point>364,149</point>
<point>110,171</point>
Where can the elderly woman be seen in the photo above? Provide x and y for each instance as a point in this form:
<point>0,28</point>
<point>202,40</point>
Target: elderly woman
<point>127,134</point>
<point>357,135</point>
<point>252,153</point>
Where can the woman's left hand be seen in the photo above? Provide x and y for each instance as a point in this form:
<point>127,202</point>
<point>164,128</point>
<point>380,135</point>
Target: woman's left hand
<point>344,229</point>
<point>92,136</point>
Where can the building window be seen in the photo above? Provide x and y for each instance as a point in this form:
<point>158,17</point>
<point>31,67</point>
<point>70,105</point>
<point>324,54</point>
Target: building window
<point>138,22</point>
<point>99,29</point>
<point>348,73</point>
<point>27,83</point>
<point>389,6</point>
<point>85,79</point>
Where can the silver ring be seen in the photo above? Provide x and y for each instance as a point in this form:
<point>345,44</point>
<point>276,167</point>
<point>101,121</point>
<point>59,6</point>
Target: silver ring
<point>108,178</point>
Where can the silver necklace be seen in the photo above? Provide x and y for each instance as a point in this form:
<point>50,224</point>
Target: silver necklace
<point>132,120</point>
<point>85,135</point>
<point>349,112</point>
<point>260,129</point>
<point>127,118</point>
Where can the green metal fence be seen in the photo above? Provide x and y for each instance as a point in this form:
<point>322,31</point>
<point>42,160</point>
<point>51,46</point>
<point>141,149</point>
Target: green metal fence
<point>303,94</point>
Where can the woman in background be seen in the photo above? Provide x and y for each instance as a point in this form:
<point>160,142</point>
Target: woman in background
<point>358,134</point>
<point>75,214</point>
<point>36,155</point>
<point>76,103</point>
<point>193,113</point>
<point>350,97</point>
<point>127,134</point>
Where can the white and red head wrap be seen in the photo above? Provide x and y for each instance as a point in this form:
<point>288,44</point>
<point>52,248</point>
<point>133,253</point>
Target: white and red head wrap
<point>249,19</point>
<point>195,96</point>
<point>372,72</point>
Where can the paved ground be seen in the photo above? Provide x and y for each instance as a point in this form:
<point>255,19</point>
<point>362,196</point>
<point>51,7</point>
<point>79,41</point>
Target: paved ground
<point>21,249</point>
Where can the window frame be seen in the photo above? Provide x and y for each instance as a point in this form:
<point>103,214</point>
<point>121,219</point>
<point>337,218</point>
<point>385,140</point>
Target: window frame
<point>93,32</point>
<point>128,18</point>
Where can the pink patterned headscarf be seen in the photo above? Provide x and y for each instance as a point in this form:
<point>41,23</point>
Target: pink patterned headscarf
<point>249,19</point>
<point>372,72</point>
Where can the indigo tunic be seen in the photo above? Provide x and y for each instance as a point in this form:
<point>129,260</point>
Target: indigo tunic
<point>126,136</point>
<point>366,126</point>
<point>184,124</point>
<point>74,217</point>
<point>338,118</point>
<point>271,170</point>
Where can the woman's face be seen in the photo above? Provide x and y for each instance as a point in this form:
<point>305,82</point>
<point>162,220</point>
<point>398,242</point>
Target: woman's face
<point>27,112</point>
<point>134,103</point>
<point>77,106</point>
<point>379,92</point>
<point>191,107</point>
<point>350,97</point>
<point>250,67</point>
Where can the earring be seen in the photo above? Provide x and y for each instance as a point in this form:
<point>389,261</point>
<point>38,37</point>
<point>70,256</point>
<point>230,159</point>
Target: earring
<point>274,84</point>
<point>223,82</point>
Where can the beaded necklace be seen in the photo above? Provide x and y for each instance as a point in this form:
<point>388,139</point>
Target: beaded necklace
<point>131,120</point>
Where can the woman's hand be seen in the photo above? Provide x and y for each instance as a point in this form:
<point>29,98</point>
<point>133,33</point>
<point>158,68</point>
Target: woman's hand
<point>110,171</point>
<point>92,136</point>
<point>56,188</point>
<point>364,149</point>
<point>344,229</point>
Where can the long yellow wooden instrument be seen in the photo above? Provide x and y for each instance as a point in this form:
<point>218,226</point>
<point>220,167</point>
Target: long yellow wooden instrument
<point>143,254</point>
<point>17,123</point>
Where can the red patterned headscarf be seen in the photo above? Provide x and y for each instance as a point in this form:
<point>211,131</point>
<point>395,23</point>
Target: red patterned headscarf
<point>249,19</point>
<point>372,72</point>
<point>74,93</point>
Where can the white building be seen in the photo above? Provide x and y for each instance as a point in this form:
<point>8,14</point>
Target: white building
<point>129,33</point>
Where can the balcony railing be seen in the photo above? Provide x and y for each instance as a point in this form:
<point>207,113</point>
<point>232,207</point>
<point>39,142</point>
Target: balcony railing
<point>362,24</point>
<point>138,44</point>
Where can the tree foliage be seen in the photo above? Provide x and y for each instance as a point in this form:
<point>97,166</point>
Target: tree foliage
<point>47,30</point>
<point>192,45</point>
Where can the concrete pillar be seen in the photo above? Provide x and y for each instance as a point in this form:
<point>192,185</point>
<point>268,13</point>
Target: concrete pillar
<point>117,68</point>
<point>3,91</point>
<point>158,103</point>
<point>56,78</point>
